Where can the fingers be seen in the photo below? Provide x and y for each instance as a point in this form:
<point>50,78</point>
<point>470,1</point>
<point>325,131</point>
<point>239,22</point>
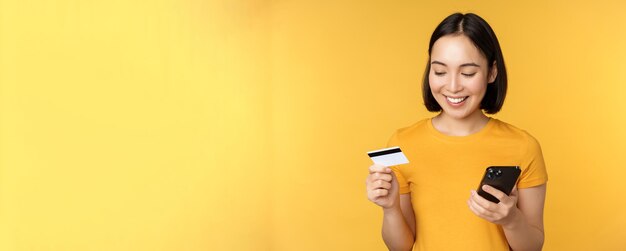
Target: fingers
<point>479,210</point>
<point>496,213</point>
<point>379,176</point>
<point>483,208</point>
<point>376,168</point>
<point>378,189</point>
<point>495,192</point>
<point>375,193</point>
<point>378,172</point>
<point>378,181</point>
<point>481,202</point>
<point>380,184</point>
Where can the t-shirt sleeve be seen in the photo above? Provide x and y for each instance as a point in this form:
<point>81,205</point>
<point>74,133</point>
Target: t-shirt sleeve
<point>533,167</point>
<point>397,170</point>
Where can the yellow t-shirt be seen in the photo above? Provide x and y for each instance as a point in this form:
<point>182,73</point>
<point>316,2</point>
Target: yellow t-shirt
<point>442,171</point>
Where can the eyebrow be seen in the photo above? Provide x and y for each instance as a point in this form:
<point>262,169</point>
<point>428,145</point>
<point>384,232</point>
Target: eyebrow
<point>463,65</point>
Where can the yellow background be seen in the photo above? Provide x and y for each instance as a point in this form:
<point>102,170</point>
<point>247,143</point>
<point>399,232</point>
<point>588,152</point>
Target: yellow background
<point>243,125</point>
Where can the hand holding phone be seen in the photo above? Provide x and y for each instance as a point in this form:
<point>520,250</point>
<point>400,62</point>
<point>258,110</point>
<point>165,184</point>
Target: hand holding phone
<point>502,178</point>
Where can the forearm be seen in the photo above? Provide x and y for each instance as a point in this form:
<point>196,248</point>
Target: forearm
<point>523,236</point>
<point>396,232</point>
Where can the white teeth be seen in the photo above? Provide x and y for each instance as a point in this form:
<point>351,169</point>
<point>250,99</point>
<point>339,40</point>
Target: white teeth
<point>456,100</point>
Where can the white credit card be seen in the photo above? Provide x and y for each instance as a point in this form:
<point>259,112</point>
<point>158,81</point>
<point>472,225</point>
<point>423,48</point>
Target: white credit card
<point>391,156</point>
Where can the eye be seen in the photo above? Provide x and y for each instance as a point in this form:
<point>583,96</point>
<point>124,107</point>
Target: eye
<point>468,74</point>
<point>440,73</point>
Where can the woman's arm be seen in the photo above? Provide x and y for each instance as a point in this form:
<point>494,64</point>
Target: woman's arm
<point>398,217</point>
<point>399,225</point>
<point>520,215</point>
<point>525,231</point>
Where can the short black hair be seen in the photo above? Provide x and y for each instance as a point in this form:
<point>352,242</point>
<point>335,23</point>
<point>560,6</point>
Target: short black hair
<point>483,37</point>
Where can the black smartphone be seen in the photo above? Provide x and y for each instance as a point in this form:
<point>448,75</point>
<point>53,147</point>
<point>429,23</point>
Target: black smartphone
<point>502,178</point>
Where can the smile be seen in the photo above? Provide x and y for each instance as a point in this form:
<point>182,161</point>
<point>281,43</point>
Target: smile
<point>456,100</point>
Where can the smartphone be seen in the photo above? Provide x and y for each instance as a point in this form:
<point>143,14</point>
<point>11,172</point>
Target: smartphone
<point>502,178</point>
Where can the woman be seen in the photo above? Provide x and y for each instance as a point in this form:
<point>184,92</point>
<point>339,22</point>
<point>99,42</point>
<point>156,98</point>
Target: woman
<point>423,201</point>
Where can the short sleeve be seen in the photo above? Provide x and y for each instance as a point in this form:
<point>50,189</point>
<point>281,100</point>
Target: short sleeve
<point>402,182</point>
<point>533,167</point>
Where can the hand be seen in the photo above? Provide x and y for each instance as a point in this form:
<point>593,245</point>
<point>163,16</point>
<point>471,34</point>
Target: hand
<point>503,213</point>
<point>382,187</point>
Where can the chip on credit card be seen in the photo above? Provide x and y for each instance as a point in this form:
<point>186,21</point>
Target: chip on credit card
<point>391,156</point>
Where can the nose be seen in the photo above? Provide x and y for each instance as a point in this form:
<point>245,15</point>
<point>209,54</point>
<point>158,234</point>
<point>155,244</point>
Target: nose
<point>455,84</point>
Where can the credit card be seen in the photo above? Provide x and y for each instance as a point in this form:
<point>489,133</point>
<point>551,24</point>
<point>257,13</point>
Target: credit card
<point>391,156</point>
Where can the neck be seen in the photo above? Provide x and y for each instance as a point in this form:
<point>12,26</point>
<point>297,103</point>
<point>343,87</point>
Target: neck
<point>460,127</point>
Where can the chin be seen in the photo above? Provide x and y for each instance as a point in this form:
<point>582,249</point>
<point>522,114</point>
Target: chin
<point>463,114</point>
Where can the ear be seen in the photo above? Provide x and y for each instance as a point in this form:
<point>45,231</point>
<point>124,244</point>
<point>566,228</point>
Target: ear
<point>493,73</point>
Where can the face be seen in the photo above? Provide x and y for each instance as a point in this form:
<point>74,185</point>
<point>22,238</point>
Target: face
<point>458,76</point>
